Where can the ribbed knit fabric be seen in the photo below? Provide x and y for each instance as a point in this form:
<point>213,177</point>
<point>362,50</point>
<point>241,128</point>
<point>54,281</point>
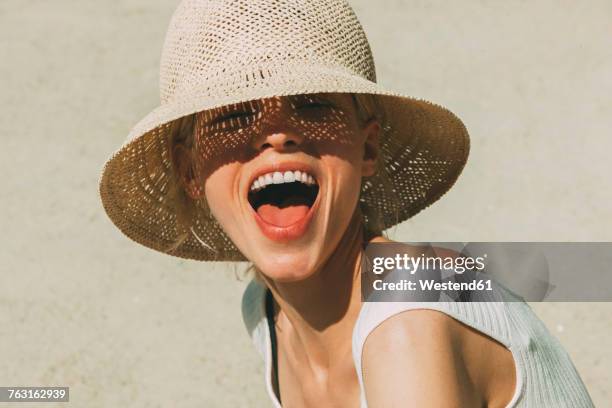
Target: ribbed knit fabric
<point>545,374</point>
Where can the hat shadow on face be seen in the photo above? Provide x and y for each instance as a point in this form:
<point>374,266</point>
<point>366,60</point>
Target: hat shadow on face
<point>316,125</point>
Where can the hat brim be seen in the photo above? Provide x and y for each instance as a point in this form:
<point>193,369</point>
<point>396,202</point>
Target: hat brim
<point>424,149</point>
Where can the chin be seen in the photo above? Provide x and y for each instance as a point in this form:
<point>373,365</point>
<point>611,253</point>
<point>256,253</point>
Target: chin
<point>287,267</point>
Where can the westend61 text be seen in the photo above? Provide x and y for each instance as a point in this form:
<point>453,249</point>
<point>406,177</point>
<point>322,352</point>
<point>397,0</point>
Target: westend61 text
<point>431,284</point>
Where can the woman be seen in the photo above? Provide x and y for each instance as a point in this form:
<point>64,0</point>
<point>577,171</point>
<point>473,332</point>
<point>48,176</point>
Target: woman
<point>274,144</point>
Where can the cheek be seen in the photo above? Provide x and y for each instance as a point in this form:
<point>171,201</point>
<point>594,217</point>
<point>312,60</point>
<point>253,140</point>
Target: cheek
<point>345,186</point>
<point>219,190</point>
<point>351,187</point>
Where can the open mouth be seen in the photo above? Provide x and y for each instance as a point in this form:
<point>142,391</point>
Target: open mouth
<point>283,199</point>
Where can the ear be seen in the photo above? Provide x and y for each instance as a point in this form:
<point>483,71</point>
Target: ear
<point>371,147</point>
<point>183,160</point>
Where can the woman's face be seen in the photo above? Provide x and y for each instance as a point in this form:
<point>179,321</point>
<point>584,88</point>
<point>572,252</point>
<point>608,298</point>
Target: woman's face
<point>282,176</point>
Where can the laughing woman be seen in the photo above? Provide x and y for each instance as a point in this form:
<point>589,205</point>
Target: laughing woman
<point>275,145</point>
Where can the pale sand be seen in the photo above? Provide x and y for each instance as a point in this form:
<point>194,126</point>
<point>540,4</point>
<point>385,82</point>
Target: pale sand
<point>82,306</point>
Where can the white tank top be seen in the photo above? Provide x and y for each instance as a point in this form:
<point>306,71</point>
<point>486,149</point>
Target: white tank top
<point>545,374</point>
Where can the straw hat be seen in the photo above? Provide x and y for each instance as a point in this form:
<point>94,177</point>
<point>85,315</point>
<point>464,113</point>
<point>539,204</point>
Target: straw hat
<point>220,52</point>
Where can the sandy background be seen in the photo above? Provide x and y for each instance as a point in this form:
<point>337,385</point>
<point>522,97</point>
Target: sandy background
<point>123,326</point>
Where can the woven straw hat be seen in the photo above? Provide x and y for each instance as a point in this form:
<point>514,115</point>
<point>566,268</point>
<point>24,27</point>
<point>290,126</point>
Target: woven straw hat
<point>220,52</point>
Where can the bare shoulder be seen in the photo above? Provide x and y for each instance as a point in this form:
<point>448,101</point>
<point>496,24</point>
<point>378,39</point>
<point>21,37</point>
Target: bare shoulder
<point>425,358</point>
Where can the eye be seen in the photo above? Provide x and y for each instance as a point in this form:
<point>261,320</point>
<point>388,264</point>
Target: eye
<point>315,111</point>
<point>233,116</point>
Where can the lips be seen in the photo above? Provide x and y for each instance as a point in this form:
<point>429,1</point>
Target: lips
<point>283,199</point>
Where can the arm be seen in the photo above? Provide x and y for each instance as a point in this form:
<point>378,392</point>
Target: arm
<point>427,359</point>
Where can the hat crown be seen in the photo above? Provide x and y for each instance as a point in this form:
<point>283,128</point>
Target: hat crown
<point>216,45</point>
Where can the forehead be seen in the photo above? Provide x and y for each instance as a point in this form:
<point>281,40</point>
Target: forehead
<point>340,100</point>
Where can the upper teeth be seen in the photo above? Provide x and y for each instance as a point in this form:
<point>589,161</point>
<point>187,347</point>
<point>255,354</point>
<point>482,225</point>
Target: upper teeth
<point>278,177</point>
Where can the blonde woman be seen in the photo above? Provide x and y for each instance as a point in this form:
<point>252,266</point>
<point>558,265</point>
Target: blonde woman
<point>274,144</point>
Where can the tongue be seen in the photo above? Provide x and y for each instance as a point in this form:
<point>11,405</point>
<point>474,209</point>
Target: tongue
<point>289,212</point>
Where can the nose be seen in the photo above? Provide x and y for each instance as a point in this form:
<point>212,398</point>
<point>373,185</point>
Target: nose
<point>279,140</point>
<point>276,132</point>
<point>277,129</point>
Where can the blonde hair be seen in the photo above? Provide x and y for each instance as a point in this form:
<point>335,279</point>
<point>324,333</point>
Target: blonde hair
<point>367,108</point>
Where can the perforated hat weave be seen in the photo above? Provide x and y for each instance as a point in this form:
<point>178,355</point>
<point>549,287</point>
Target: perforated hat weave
<point>220,52</point>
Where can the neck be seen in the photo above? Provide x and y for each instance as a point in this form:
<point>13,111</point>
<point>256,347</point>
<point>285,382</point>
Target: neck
<point>317,314</point>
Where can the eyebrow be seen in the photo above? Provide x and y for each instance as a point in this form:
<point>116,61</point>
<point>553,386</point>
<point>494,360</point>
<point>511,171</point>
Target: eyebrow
<point>314,97</point>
